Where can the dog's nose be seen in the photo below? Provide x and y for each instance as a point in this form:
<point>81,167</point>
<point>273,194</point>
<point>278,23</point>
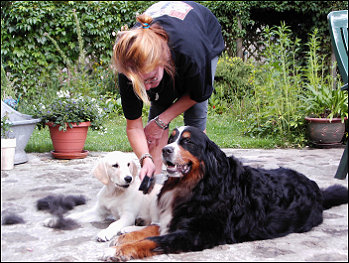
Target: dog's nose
<point>167,151</point>
<point>128,179</point>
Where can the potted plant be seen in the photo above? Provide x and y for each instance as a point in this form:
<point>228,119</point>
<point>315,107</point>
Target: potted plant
<point>327,111</point>
<point>68,118</point>
<point>72,112</point>
<point>325,104</point>
<point>8,145</point>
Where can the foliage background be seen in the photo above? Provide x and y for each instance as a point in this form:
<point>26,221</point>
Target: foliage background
<point>32,60</point>
<point>250,93</point>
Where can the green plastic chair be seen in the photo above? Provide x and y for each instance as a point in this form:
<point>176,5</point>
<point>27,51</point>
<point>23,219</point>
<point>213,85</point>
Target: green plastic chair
<point>338,24</point>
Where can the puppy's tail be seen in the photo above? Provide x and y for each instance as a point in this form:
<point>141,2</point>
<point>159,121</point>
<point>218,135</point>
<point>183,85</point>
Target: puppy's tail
<point>334,195</point>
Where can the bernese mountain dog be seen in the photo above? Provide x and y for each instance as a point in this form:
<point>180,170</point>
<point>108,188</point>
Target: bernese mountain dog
<point>210,199</point>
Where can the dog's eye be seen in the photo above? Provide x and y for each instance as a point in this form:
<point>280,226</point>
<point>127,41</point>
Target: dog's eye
<point>186,140</point>
<point>115,165</point>
<point>128,164</point>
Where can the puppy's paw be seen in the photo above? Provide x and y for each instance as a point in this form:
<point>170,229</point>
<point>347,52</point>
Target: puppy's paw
<point>105,235</point>
<point>85,217</point>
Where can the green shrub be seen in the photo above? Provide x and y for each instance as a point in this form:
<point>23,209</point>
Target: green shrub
<point>236,75</point>
<point>276,93</point>
<point>32,60</point>
<point>6,86</point>
<point>233,86</point>
<point>286,91</point>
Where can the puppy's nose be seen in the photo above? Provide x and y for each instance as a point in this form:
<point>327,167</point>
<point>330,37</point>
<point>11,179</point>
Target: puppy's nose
<point>128,179</point>
<point>167,151</point>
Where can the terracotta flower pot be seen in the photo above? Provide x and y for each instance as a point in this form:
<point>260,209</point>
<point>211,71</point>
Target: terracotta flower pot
<point>323,133</point>
<point>69,144</point>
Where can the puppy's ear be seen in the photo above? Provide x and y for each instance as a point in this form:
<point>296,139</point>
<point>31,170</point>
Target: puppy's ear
<point>133,169</point>
<point>100,172</point>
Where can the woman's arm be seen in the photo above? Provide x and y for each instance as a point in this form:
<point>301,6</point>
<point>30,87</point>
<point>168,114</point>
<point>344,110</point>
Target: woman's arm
<point>183,104</point>
<point>154,133</point>
<point>180,106</point>
<point>138,142</point>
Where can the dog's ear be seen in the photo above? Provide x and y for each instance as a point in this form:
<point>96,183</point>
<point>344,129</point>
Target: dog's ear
<point>133,169</point>
<point>100,172</point>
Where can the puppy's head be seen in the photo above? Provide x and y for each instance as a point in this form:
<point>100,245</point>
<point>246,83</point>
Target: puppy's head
<point>184,153</point>
<point>116,168</point>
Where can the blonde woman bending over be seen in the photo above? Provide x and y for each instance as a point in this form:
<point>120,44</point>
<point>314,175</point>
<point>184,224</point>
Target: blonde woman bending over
<point>168,60</point>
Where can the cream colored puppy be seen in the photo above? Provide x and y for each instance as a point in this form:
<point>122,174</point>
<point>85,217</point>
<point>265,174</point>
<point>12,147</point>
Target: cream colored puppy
<point>119,196</point>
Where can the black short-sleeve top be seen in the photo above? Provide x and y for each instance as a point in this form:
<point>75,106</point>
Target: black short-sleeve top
<point>195,38</point>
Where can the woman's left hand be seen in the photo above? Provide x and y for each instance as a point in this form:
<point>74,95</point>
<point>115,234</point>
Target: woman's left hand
<point>153,134</point>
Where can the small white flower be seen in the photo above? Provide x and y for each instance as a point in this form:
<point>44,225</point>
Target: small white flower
<point>63,94</point>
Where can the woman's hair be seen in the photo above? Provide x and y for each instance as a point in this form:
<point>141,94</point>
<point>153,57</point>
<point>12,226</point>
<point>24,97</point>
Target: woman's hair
<point>140,50</point>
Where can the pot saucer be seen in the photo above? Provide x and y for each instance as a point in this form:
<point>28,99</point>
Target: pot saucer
<point>68,156</point>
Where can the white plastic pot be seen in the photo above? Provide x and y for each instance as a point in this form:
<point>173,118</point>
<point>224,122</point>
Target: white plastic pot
<point>8,147</point>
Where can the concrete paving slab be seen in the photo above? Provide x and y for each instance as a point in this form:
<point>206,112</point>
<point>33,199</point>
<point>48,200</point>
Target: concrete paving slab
<point>42,176</point>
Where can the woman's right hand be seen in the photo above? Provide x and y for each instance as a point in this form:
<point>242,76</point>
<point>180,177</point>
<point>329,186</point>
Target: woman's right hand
<point>147,169</point>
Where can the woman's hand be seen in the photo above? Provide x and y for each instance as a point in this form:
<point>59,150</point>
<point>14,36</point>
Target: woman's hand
<point>153,134</point>
<point>148,168</point>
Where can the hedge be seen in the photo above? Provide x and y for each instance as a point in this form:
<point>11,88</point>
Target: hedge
<point>30,58</point>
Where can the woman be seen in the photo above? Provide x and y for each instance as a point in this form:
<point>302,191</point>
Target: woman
<point>168,59</point>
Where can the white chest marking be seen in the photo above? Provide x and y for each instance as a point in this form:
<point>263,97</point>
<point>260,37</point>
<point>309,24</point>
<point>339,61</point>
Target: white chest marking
<point>165,208</point>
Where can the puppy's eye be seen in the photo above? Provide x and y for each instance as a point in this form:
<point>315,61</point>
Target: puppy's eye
<point>115,165</point>
<point>128,164</point>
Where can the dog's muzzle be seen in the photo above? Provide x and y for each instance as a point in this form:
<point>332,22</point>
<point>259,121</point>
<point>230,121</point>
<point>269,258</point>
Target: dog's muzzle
<point>174,169</point>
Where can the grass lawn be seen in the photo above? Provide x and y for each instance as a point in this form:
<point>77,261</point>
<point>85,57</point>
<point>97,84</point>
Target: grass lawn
<point>224,131</point>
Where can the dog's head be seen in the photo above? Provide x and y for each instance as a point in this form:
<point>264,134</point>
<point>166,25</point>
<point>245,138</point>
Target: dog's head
<point>116,168</point>
<point>190,150</point>
<point>184,152</point>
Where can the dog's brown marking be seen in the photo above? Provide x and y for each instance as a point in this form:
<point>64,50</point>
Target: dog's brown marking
<point>186,134</point>
<point>152,230</point>
<point>133,245</point>
<point>195,173</point>
<point>135,250</point>
<point>174,132</point>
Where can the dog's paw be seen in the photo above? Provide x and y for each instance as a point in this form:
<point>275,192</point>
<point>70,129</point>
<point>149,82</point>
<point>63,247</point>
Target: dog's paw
<point>114,241</point>
<point>105,235</point>
<point>128,229</point>
<point>116,254</point>
<point>109,254</point>
<point>121,239</point>
<point>133,250</point>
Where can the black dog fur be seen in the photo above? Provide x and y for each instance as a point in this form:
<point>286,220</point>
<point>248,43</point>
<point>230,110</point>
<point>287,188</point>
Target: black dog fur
<point>58,205</point>
<point>11,219</point>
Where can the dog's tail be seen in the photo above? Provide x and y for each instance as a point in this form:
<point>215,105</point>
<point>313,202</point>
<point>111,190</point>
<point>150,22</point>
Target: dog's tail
<point>334,195</point>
